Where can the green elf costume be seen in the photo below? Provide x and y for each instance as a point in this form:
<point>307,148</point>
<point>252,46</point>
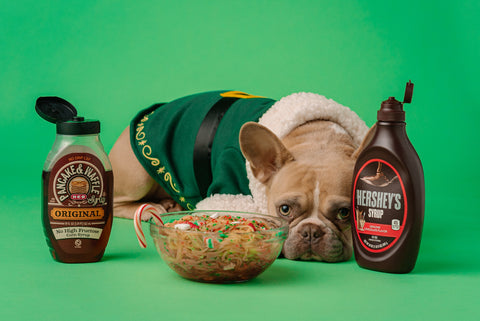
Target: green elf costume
<point>190,145</point>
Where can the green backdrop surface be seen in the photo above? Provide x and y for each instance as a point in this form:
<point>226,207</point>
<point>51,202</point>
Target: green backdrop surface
<point>112,58</point>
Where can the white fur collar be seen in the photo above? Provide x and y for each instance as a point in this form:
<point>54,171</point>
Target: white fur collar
<point>285,115</point>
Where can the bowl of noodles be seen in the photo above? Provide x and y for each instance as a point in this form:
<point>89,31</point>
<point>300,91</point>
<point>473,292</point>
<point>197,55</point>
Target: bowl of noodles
<point>215,246</point>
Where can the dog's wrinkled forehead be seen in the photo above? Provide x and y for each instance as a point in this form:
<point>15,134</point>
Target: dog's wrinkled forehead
<point>325,178</point>
<point>312,191</point>
<point>292,178</point>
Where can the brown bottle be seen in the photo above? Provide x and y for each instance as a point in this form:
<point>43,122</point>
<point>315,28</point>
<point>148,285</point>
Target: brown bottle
<point>388,195</point>
<point>77,186</point>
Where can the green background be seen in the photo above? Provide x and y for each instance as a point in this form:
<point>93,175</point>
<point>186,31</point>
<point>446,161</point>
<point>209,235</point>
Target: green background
<point>112,58</point>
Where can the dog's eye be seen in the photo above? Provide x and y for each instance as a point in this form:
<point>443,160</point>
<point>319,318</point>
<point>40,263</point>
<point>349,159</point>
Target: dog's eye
<point>284,209</point>
<point>343,213</point>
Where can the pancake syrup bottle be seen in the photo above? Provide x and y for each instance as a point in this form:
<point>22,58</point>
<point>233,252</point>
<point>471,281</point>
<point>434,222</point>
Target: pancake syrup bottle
<point>77,186</point>
<point>388,199</point>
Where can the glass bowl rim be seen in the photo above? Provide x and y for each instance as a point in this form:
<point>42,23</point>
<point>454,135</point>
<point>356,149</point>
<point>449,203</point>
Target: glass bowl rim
<point>283,226</point>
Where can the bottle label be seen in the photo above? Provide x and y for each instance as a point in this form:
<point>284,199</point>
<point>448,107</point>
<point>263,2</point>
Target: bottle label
<point>77,201</point>
<point>380,205</point>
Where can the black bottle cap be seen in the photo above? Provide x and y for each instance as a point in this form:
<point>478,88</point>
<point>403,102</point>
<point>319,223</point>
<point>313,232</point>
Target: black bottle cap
<point>55,109</point>
<point>79,126</point>
<point>61,112</point>
<point>392,109</point>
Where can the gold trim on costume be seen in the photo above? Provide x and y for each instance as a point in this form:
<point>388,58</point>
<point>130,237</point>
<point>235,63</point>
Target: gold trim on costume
<point>140,136</point>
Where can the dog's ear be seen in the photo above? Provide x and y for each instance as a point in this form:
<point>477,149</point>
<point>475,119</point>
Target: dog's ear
<point>366,140</point>
<point>264,150</point>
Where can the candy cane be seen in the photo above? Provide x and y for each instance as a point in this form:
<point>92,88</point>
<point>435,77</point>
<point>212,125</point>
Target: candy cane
<point>137,221</point>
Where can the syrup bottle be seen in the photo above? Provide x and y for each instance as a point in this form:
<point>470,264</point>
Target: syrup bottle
<point>388,195</point>
<point>77,186</point>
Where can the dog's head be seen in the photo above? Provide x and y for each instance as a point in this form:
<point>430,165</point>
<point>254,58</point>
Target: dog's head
<point>307,176</point>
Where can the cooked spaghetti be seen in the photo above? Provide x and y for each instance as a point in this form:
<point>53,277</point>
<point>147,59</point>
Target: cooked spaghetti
<point>219,248</point>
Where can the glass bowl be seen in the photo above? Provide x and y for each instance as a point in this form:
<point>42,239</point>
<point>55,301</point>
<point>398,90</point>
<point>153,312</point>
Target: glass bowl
<point>240,247</point>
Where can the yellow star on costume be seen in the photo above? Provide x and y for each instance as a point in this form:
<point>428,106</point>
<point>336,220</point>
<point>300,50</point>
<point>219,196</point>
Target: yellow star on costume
<point>141,143</point>
<point>161,170</point>
<point>182,199</point>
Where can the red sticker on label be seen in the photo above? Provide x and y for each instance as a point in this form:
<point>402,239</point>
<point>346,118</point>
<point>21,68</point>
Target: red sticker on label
<point>379,205</point>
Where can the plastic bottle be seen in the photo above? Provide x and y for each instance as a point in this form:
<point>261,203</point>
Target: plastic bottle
<point>388,195</point>
<point>77,184</point>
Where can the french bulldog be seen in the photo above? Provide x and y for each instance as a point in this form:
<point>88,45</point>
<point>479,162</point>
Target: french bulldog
<point>298,164</point>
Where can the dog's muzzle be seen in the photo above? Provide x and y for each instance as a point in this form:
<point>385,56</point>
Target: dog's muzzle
<point>313,241</point>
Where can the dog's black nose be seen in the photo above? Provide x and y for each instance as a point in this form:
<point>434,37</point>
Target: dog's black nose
<point>311,232</point>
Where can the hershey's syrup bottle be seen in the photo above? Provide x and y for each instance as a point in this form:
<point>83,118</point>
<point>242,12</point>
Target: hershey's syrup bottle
<point>77,182</point>
<point>388,195</point>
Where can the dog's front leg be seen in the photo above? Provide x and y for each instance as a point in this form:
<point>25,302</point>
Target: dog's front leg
<point>127,209</point>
